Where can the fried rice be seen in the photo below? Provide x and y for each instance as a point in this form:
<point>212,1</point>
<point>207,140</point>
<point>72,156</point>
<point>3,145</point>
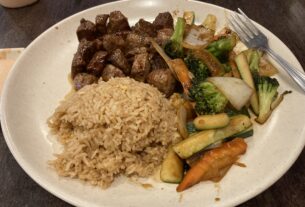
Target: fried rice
<point>119,127</point>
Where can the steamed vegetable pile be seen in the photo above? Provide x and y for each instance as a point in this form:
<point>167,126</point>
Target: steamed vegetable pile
<point>222,89</point>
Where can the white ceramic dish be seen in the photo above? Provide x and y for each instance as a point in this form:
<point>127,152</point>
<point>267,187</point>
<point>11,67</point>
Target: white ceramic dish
<point>28,100</point>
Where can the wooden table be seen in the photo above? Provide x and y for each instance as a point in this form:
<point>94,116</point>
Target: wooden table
<point>18,27</point>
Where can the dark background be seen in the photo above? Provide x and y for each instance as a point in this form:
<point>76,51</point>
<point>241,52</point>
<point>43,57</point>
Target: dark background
<point>18,27</point>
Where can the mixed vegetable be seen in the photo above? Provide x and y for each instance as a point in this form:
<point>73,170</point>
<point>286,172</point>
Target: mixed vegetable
<point>220,88</point>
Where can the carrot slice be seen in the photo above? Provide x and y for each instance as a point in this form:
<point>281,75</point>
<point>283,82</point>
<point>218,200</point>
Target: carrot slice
<point>218,158</point>
<point>216,174</point>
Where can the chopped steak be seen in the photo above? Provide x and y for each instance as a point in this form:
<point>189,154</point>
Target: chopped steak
<point>143,27</point>
<point>118,59</point>
<point>163,80</point>
<point>86,30</point>
<point>78,64</point>
<point>117,22</point>
<point>131,54</point>
<point>164,20</point>
<point>101,23</point>
<point>99,44</point>
<point>157,62</point>
<point>83,79</point>
<point>123,34</point>
<point>112,42</point>
<point>140,67</point>
<point>110,71</point>
<point>135,40</point>
<point>86,49</point>
<point>134,51</point>
<point>97,63</point>
<point>109,48</point>
<point>164,35</point>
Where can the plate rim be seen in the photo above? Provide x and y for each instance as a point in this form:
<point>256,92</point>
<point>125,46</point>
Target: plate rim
<point>76,201</point>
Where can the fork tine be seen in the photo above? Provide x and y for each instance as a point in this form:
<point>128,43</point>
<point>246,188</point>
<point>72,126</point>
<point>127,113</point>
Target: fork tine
<point>250,24</point>
<point>241,25</point>
<point>242,35</point>
<point>244,25</point>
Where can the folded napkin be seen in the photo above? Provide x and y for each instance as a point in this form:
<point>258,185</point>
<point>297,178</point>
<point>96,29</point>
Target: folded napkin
<point>7,58</point>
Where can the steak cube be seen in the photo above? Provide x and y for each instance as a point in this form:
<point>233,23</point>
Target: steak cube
<point>97,63</point>
<point>140,67</point>
<point>163,36</point>
<point>163,80</point>
<point>117,22</point>
<point>86,49</point>
<point>143,27</point>
<point>112,42</point>
<point>83,79</point>
<point>118,59</point>
<point>164,20</point>
<point>86,30</point>
<point>78,65</point>
<point>110,71</point>
<point>101,24</point>
<point>134,40</point>
<point>157,62</point>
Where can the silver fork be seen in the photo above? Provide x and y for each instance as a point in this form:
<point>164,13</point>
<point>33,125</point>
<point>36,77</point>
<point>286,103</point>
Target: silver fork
<point>254,38</point>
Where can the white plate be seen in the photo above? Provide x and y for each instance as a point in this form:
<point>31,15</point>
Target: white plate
<point>38,82</point>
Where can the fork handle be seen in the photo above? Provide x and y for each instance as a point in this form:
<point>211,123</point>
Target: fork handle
<point>294,73</point>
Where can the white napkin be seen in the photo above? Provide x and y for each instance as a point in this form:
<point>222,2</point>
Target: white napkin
<point>8,57</point>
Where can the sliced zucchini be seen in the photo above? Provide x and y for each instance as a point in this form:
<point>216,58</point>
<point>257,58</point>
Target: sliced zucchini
<point>195,157</point>
<point>201,140</point>
<point>266,68</point>
<point>244,134</point>
<point>194,143</point>
<point>245,73</point>
<point>172,168</point>
<point>189,17</point>
<point>211,121</point>
<point>210,22</point>
<point>253,58</point>
<point>237,124</point>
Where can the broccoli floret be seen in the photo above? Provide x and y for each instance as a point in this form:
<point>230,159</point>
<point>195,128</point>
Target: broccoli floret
<point>197,67</point>
<point>191,127</point>
<point>221,47</point>
<point>209,100</point>
<point>173,48</point>
<point>267,92</point>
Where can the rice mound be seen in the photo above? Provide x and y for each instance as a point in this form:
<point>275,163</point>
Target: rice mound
<point>117,127</point>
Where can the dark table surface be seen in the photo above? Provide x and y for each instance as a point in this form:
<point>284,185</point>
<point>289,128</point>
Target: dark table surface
<point>18,27</point>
